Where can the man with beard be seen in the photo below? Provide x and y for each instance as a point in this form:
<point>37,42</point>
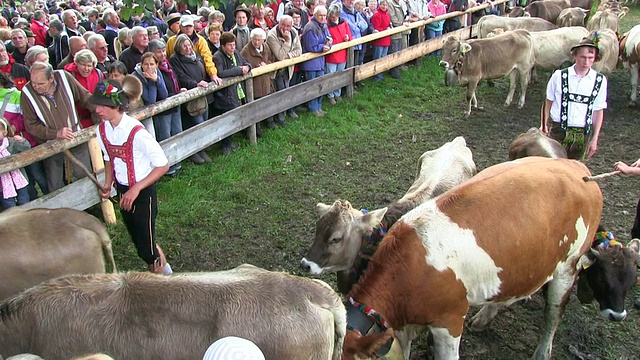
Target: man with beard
<point>17,72</point>
<point>49,111</point>
<point>199,45</point>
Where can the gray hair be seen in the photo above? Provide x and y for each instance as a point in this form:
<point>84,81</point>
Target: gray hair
<point>156,44</point>
<point>106,15</point>
<point>92,12</point>
<point>150,29</point>
<point>284,18</point>
<point>38,14</point>
<point>20,31</point>
<point>317,9</point>
<point>334,9</point>
<point>137,29</point>
<point>124,33</point>
<point>39,65</point>
<point>258,32</point>
<point>67,13</point>
<point>93,39</point>
<point>33,53</point>
<point>177,47</point>
<point>56,24</point>
<point>85,56</point>
<point>216,15</point>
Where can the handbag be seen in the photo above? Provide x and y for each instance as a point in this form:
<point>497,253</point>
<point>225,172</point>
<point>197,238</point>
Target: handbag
<point>197,107</point>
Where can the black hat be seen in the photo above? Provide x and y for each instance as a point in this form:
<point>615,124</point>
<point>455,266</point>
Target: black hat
<point>592,40</point>
<point>173,17</point>
<point>242,7</point>
<point>109,93</point>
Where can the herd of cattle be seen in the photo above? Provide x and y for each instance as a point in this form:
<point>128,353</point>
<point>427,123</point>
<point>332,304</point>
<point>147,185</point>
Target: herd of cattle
<point>419,264</point>
<point>539,36</point>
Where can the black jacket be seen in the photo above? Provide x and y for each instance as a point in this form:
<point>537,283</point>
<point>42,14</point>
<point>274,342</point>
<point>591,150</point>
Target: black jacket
<point>130,57</point>
<point>227,98</point>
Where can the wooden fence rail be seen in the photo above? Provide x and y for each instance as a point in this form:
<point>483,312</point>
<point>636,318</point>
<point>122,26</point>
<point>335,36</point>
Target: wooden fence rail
<point>82,194</point>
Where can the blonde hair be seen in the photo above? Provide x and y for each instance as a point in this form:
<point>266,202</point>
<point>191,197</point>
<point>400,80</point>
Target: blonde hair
<point>4,124</point>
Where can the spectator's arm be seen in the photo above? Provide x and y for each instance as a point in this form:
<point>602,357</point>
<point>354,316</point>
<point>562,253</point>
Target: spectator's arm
<point>226,73</point>
<point>32,123</point>
<point>183,78</point>
<point>205,53</point>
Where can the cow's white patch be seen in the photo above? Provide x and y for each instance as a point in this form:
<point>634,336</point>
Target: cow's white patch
<point>563,241</point>
<point>445,346</point>
<point>314,269</point>
<point>544,144</point>
<point>564,272</point>
<point>451,247</point>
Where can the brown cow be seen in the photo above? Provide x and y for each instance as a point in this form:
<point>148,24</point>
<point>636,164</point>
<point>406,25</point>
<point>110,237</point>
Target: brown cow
<point>535,143</point>
<point>40,244</point>
<point>475,245</point>
<point>151,316</point>
<point>630,56</point>
<point>468,63</point>
<point>572,17</point>
<point>344,243</point>
<point>489,23</point>
<point>547,9</point>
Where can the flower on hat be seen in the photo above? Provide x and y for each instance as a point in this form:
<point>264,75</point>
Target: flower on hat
<point>110,91</point>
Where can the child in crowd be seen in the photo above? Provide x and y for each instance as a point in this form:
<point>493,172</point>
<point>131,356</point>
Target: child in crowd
<point>13,183</point>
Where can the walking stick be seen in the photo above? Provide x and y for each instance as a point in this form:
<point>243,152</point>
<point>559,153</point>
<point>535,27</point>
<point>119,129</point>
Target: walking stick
<point>601,176</point>
<point>84,169</point>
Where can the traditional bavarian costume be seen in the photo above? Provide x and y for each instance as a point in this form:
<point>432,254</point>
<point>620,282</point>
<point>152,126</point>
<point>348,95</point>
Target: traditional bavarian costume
<point>573,105</point>
<point>133,154</point>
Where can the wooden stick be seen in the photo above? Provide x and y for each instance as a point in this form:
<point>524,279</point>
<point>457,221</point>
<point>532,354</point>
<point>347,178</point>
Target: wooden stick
<point>601,176</point>
<point>89,174</point>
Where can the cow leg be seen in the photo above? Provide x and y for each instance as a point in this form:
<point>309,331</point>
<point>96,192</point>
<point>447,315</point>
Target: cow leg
<point>633,71</point>
<point>524,81</point>
<point>513,77</point>
<point>405,337</point>
<point>445,346</point>
<point>557,294</point>
<point>483,318</point>
<point>471,96</point>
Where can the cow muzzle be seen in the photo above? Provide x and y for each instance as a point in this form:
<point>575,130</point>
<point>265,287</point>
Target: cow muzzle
<point>310,267</point>
<point>614,316</point>
<point>444,64</point>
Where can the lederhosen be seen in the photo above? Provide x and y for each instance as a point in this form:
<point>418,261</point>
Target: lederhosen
<point>573,138</point>
<point>141,220</point>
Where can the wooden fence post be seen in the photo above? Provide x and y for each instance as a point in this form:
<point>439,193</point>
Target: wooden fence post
<point>351,61</point>
<point>97,164</point>
<point>248,92</point>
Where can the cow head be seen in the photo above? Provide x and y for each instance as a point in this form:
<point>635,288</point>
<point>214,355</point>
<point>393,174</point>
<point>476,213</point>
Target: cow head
<point>357,346</point>
<point>453,52</point>
<point>339,232</point>
<point>607,272</point>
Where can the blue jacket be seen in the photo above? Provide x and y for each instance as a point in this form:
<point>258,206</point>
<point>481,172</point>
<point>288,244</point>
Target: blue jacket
<point>357,23</point>
<point>314,36</point>
<point>152,91</point>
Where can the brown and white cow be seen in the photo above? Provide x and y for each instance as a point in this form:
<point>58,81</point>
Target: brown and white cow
<point>467,63</point>
<point>150,316</point>
<point>489,23</point>
<point>535,143</point>
<point>345,237</point>
<point>489,242</point>
<point>572,17</point>
<point>630,56</point>
<point>547,9</point>
<point>40,244</point>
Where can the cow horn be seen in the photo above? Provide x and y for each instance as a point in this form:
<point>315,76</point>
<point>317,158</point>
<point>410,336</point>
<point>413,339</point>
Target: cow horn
<point>594,252</point>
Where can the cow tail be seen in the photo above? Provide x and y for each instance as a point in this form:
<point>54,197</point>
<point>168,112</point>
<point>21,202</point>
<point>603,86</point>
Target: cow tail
<point>340,328</point>
<point>105,240</point>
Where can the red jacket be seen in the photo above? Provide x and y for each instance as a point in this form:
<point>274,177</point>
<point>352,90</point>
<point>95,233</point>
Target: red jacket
<point>381,21</point>
<point>88,83</point>
<point>40,32</point>
<point>338,33</point>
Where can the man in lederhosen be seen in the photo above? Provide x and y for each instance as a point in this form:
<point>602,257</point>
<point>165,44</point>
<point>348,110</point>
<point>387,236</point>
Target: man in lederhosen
<point>135,161</point>
<point>575,103</point>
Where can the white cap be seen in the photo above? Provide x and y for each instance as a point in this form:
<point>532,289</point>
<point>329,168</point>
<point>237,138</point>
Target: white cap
<point>233,348</point>
<point>186,20</point>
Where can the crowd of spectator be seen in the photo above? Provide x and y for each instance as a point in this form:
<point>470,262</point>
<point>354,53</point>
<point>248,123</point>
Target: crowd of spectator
<point>53,55</point>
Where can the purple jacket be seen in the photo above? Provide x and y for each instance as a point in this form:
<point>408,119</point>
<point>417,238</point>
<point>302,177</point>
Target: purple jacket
<point>314,36</point>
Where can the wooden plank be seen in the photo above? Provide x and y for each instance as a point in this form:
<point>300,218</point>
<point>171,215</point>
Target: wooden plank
<point>79,195</point>
<point>372,68</point>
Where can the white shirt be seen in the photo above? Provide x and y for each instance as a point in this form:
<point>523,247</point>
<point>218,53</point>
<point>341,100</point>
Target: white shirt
<point>577,85</point>
<point>147,153</point>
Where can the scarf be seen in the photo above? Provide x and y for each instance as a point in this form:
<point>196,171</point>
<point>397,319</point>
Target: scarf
<point>7,67</point>
<point>244,29</point>
<point>241,94</point>
<point>13,179</point>
<point>165,67</point>
<point>191,57</point>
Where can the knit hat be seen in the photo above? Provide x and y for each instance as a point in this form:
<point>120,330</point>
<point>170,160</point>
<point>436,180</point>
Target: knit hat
<point>109,93</point>
<point>233,348</point>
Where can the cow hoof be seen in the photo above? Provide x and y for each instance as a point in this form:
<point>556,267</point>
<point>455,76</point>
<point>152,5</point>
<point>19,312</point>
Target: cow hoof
<point>480,108</point>
<point>631,104</point>
<point>477,326</point>
<point>637,303</point>
<point>507,103</point>
<point>520,106</point>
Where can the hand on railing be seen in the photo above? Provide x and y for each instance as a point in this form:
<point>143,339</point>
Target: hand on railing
<point>216,79</point>
<point>203,84</point>
<point>65,133</point>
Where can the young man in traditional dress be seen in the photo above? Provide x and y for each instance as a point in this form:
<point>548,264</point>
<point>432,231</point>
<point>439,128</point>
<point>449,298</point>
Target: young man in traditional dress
<point>576,98</point>
<point>135,161</point>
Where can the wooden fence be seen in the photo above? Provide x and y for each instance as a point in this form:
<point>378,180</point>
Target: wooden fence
<point>83,194</point>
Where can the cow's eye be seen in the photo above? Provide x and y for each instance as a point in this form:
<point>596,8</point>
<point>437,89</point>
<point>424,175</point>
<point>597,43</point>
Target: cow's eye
<point>335,240</point>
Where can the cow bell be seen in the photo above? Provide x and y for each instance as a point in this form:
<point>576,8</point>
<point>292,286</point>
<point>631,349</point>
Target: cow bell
<point>450,78</point>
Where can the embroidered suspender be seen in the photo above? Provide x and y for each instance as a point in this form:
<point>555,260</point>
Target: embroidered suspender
<point>123,152</point>
<point>568,97</point>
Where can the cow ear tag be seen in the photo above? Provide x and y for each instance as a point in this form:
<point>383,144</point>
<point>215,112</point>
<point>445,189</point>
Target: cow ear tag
<point>465,48</point>
<point>584,262</point>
